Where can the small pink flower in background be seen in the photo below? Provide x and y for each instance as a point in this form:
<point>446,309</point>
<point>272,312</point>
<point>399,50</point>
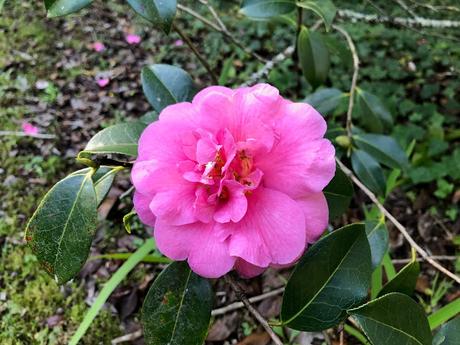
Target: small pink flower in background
<point>98,46</point>
<point>133,39</point>
<point>29,128</point>
<point>234,180</point>
<point>103,82</point>
<point>179,43</point>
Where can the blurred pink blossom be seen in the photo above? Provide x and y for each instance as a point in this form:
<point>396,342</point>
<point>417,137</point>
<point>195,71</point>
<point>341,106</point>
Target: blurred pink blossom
<point>103,82</point>
<point>98,46</point>
<point>29,128</point>
<point>133,39</point>
<point>179,43</point>
<point>234,180</point>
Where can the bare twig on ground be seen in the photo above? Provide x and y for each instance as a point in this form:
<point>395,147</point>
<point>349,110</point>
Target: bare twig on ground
<point>241,295</point>
<point>419,22</point>
<point>434,257</point>
<point>354,78</point>
<point>238,305</point>
<point>195,51</point>
<point>22,134</point>
<point>406,8</point>
<point>127,337</point>
<point>397,224</point>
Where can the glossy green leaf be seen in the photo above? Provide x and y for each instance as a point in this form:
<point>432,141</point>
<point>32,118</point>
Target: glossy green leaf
<point>177,308</point>
<point>103,183</point>
<point>393,319</point>
<point>404,281</point>
<point>323,8</point>
<point>374,115</point>
<point>338,194</point>
<point>61,229</point>
<point>368,171</point>
<point>341,266</point>
<point>158,12</point>
<point>449,333</point>
<point>377,235</point>
<point>383,148</point>
<point>57,8</point>
<point>164,85</point>
<point>325,101</point>
<point>264,9</point>
<point>313,56</point>
<point>121,138</point>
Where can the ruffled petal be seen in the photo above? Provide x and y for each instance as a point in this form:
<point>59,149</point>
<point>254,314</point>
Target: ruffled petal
<point>247,270</point>
<point>273,230</point>
<point>175,206</point>
<point>150,177</point>
<point>316,213</point>
<point>141,205</point>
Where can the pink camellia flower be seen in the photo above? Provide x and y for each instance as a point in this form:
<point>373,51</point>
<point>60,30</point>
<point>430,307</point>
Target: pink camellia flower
<point>103,82</point>
<point>29,128</point>
<point>98,46</point>
<point>178,43</point>
<point>234,180</point>
<point>133,39</point>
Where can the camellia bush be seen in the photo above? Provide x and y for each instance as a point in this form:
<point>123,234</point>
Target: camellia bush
<point>232,181</point>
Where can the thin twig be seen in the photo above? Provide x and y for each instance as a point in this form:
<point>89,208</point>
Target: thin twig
<point>238,305</point>
<point>214,14</point>
<point>397,224</point>
<point>217,28</point>
<point>195,51</point>
<point>354,78</point>
<point>127,337</point>
<point>22,134</point>
<point>341,337</point>
<point>406,8</point>
<point>434,257</point>
<point>241,295</point>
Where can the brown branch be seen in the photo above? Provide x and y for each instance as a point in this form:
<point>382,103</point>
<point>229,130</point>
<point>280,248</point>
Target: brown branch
<point>221,30</point>
<point>195,51</point>
<point>354,78</point>
<point>238,305</point>
<point>434,257</point>
<point>241,295</point>
<point>397,224</point>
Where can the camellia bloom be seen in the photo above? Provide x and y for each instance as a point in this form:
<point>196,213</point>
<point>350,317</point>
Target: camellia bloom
<point>98,47</point>
<point>103,82</point>
<point>29,128</point>
<point>133,39</point>
<point>234,179</point>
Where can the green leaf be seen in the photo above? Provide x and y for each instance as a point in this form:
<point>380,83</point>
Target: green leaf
<point>404,281</point>
<point>338,194</point>
<point>313,56</point>
<point>264,9</point>
<point>164,85</point>
<point>445,313</point>
<point>449,333</point>
<point>383,148</point>
<point>368,171</point>
<point>377,235</point>
<point>374,115</point>
<point>341,265</point>
<point>325,101</point>
<point>108,288</point>
<point>393,319</point>
<point>323,8</point>
<point>61,229</point>
<point>158,12</point>
<point>177,308</point>
<point>121,138</point>
<point>103,183</point>
<point>57,8</point>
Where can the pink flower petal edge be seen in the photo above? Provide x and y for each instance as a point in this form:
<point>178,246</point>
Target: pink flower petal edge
<point>98,47</point>
<point>103,82</point>
<point>29,128</point>
<point>132,39</point>
<point>234,180</point>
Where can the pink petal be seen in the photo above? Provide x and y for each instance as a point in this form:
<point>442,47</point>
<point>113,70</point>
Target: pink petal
<point>98,46</point>
<point>178,43</point>
<point>133,39</point>
<point>316,215</point>
<point>141,205</point>
<point>103,82</point>
<point>29,128</point>
<point>235,207</point>
<point>207,254</point>
<point>247,270</point>
<point>273,230</point>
